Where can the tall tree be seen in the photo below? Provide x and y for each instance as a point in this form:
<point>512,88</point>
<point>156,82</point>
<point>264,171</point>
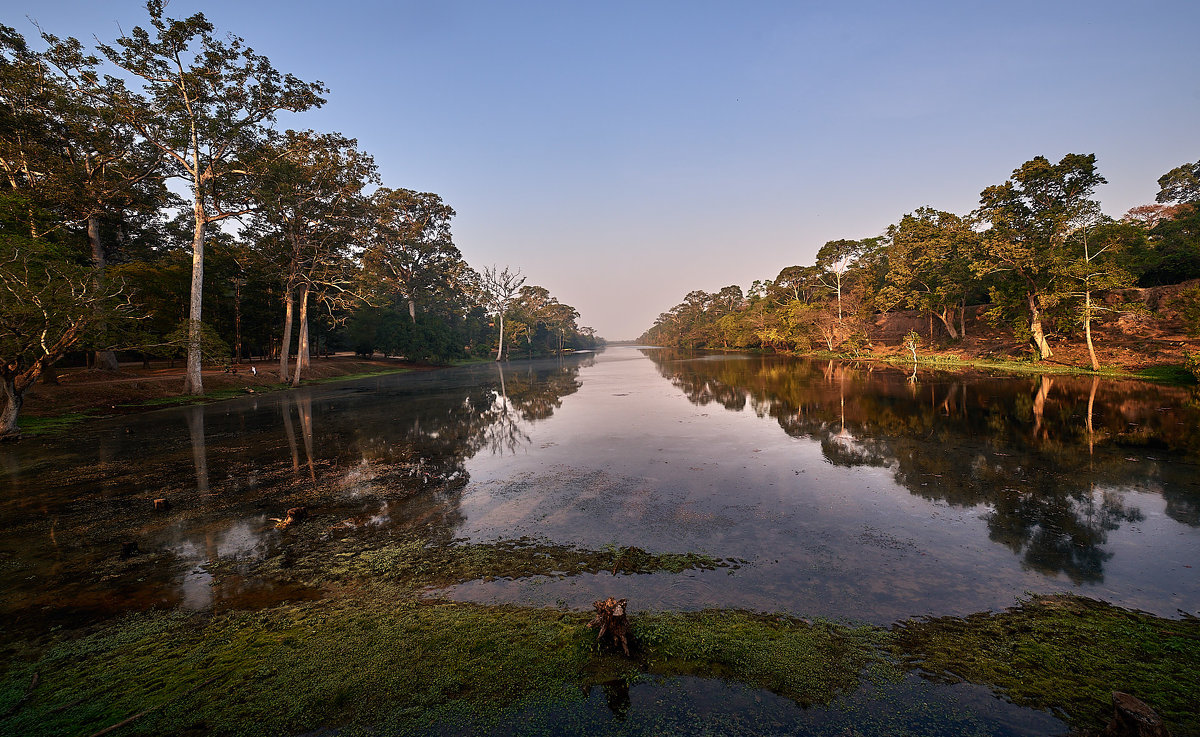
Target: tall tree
<point>1093,267</point>
<point>929,266</point>
<point>308,188</point>
<point>1031,216</point>
<point>115,174</point>
<point>500,289</point>
<point>410,244</point>
<point>834,260</point>
<point>205,106</point>
<point>1181,184</point>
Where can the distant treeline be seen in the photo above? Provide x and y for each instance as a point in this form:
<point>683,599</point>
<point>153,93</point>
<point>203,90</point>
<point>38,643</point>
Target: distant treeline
<point>1037,252</point>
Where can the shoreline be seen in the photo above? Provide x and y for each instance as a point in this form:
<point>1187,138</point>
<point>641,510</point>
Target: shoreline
<point>83,394</point>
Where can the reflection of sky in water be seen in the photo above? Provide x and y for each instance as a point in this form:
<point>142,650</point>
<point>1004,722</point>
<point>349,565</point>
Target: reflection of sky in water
<point>240,541</point>
<point>628,461</point>
<point>849,492</point>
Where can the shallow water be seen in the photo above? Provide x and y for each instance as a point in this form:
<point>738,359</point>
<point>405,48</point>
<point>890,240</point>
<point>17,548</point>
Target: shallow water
<point>849,492</point>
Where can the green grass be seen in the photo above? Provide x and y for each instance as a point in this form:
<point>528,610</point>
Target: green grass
<point>351,377</point>
<point>56,424</point>
<point>52,425</point>
<point>1174,374</point>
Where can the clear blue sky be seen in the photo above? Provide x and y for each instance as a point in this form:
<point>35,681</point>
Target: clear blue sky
<point>623,154</point>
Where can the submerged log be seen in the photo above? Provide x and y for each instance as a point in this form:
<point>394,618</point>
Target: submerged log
<point>612,621</point>
<point>1132,717</point>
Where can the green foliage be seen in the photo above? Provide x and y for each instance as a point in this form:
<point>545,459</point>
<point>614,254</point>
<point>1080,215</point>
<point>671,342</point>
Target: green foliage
<point>1181,184</point>
<point>1187,304</point>
<point>1191,362</point>
<point>212,348</point>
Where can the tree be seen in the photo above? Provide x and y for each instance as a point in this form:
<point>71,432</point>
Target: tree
<point>410,244</point>
<point>308,187</point>
<point>47,305</point>
<point>500,288</point>
<point>834,261</point>
<point>112,170</point>
<point>1181,184</point>
<point>1094,269</point>
<point>1031,216</point>
<point>797,283</point>
<point>205,107</point>
<point>929,266</point>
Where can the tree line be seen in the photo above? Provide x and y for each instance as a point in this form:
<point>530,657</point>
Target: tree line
<point>1037,251</point>
<point>149,203</point>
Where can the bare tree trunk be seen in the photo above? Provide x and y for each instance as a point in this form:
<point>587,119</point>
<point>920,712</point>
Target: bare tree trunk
<point>105,360</point>
<point>947,318</point>
<point>302,342</point>
<point>237,320</point>
<point>1038,336</point>
<point>289,305</point>
<point>500,347</point>
<point>1087,328</point>
<point>962,317</point>
<point>412,310</point>
<point>13,398</point>
<point>193,383</point>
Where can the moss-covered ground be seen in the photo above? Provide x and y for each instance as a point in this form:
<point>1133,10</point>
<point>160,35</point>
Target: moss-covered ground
<point>1066,654</point>
<point>374,655</point>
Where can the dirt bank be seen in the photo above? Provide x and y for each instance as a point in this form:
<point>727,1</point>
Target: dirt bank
<point>1154,335</point>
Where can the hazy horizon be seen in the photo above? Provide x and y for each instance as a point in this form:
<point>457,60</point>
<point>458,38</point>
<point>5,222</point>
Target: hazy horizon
<point>622,155</point>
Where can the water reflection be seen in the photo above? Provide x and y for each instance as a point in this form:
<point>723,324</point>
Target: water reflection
<point>369,457</point>
<point>1042,454</point>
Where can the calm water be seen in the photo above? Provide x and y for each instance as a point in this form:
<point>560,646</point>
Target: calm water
<point>849,492</point>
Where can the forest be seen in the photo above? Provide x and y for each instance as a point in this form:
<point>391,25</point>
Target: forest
<point>151,208</point>
<point>1037,256</point>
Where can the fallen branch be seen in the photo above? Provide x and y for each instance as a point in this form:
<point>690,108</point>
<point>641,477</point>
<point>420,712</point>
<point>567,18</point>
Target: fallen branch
<point>141,714</point>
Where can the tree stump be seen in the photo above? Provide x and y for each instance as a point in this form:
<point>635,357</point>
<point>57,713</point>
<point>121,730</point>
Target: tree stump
<point>612,621</point>
<point>161,505</point>
<point>128,550</point>
<point>294,516</point>
<point>1133,718</point>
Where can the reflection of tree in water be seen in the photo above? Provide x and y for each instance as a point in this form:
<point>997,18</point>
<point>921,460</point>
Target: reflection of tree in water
<point>1037,451</point>
<point>373,459</point>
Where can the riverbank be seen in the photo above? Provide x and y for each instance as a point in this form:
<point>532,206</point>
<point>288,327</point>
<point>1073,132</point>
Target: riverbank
<point>82,394</point>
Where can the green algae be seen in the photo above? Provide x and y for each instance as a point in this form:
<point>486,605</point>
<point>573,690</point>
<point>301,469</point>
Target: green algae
<point>374,656</point>
<point>383,659</point>
<point>1066,654</point>
<point>421,562</point>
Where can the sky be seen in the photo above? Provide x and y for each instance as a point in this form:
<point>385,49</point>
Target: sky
<point>623,154</point>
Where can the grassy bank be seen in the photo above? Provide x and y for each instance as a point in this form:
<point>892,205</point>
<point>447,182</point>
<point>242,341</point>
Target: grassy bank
<point>1172,374</point>
<point>80,397</point>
